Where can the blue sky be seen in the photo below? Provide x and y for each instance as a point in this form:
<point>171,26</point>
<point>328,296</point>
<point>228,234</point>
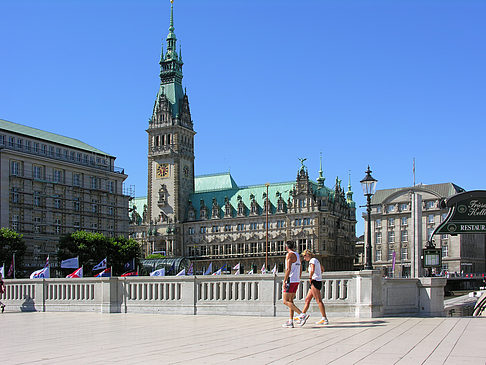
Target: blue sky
<point>363,82</point>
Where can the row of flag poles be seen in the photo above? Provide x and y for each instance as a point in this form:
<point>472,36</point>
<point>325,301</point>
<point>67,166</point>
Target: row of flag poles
<point>73,263</point>
<point>209,270</point>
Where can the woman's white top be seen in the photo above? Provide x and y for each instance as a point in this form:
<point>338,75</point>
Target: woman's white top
<point>317,269</point>
<point>294,276</point>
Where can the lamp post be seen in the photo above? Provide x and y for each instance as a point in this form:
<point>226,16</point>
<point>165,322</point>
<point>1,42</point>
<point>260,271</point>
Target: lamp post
<point>369,186</point>
<point>266,224</point>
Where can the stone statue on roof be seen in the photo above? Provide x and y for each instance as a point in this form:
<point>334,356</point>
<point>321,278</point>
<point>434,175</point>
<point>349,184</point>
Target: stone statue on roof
<point>302,162</point>
<point>144,214</point>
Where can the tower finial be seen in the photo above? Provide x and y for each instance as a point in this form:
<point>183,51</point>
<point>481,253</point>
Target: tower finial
<point>349,193</point>
<point>171,37</point>
<point>171,27</point>
<point>320,179</point>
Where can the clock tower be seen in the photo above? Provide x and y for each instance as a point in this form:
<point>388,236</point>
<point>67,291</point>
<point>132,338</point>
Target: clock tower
<point>170,153</point>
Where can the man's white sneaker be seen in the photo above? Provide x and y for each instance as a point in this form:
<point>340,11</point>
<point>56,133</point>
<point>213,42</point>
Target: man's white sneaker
<point>288,324</point>
<point>303,318</point>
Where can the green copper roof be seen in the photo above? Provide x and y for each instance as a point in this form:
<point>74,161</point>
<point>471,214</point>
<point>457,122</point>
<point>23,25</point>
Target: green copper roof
<point>214,182</point>
<point>244,192</point>
<point>222,186</point>
<point>139,203</point>
<point>48,136</point>
<point>174,93</point>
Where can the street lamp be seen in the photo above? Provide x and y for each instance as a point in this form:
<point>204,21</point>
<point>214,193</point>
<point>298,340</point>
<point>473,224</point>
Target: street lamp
<point>266,229</point>
<point>369,186</point>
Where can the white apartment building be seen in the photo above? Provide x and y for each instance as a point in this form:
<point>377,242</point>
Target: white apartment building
<point>392,231</point>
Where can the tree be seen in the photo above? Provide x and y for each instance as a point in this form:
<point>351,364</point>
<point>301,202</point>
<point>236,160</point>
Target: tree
<point>10,242</point>
<point>91,248</point>
<point>124,250</point>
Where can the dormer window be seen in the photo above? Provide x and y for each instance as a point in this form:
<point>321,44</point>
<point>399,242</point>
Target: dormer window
<point>227,207</point>
<point>203,211</point>
<point>215,209</point>
<point>254,205</point>
<point>241,206</point>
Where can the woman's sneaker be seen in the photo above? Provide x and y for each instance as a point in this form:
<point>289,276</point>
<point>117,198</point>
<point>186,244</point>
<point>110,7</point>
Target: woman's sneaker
<point>288,324</point>
<point>303,318</point>
<point>323,321</point>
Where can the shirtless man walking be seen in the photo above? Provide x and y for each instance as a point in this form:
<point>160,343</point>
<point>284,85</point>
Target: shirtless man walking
<point>293,270</point>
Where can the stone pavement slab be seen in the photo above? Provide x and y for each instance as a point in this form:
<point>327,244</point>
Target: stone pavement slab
<point>80,338</point>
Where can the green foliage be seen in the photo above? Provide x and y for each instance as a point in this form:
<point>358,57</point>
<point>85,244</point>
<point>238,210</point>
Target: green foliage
<point>91,248</point>
<point>155,256</point>
<point>10,242</point>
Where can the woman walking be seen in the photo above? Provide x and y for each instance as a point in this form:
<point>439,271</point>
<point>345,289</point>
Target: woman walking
<point>315,278</point>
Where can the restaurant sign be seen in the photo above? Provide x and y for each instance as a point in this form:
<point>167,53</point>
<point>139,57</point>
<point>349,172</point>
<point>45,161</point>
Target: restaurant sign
<point>467,214</point>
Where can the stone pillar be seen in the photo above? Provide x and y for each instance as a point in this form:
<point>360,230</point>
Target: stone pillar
<point>110,300</point>
<point>40,288</point>
<point>431,296</point>
<point>369,294</point>
<point>416,262</point>
<point>189,294</point>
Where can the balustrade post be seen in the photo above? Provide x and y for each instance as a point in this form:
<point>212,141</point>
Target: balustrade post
<point>369,298</point>
<point>110,298</point>
<point>431,294</point>
<point>189,294</point>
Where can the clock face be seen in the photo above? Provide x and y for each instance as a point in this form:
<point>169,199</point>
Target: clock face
<point>162,170</point>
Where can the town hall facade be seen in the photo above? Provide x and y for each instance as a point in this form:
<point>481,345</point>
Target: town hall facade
<point>211,219</point>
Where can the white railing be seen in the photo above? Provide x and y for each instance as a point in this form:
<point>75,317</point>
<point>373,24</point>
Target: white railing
<point>351,293</point>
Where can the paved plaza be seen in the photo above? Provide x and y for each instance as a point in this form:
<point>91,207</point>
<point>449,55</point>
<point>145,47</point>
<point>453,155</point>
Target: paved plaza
<point>81,338</point>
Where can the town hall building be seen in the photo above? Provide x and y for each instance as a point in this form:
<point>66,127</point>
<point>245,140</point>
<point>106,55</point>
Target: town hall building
<point>210,218</point>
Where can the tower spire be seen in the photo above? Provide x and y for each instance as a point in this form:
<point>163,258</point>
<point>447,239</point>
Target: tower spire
<point>171,69</point>
<point>349,193</point>
<point>171,37</point>
<point>171,27</point>
<point>320,179</point>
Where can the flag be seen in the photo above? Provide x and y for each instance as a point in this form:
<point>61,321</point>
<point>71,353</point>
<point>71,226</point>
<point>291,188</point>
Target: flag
<point>274,270</point>
<point>41,274</point>
<point>190,271</point>
<point>263,269</point>
<point>237,268</point>
<point>104,274</point>
<point>130,265</point>
<point>133,273</point>
<point>159,272</point>
<point>250,272</point>
<point>182,272</point>
<point>101,265</point>
<point>209,270</point>
<point>70,263</point>
<point>414,171</point>
<point>220,270</point>
<point>78,273</point>
<point>11,269</point>
<point>2,271</point>
<point>47,261</point>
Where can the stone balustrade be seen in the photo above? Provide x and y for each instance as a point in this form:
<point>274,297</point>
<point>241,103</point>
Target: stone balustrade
<point>361,294</point>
